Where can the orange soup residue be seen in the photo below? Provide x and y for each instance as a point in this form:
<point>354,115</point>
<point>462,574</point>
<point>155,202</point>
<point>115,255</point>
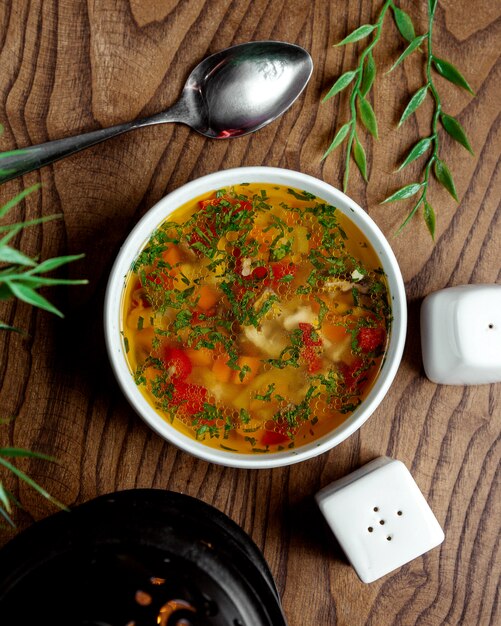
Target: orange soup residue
<point>256,318</point>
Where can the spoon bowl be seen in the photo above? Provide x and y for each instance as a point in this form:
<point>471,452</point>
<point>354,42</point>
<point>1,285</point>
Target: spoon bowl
<point>233,92</point>
<point>241,89</point>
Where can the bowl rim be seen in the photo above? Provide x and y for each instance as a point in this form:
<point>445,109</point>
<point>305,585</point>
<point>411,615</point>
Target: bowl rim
<point>138,237</point>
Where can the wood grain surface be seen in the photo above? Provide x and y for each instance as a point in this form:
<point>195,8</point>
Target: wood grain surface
<point>68,66</point>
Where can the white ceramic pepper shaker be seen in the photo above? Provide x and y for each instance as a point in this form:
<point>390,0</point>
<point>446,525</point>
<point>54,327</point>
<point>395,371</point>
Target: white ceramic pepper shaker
<point>461,335</point>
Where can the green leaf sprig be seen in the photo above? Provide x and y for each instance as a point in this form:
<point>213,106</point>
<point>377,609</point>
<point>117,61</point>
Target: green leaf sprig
<point>20,275</point>
<point>7,500</point>
<point>362,80</point>
<point>451,125</point>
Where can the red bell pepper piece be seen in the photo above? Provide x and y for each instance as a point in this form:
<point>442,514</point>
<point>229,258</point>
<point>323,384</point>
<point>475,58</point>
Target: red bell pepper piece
<point>352,373</point>
<point>189,397</point>
<point>272,438</point>
<point>159,278</point>
<point>259,273</point>
<point>370,338</point>
<point>177,362</point>
<point>278,271</point>
<point>313,361</point>
<point>308,331</point>
<point>308,352</point>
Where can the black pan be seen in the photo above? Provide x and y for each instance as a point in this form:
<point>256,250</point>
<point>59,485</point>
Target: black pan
<point>143,557</point>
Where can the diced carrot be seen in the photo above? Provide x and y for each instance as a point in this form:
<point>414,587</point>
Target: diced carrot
<point>315,240</point>
<point>334,333</point>
<point>201,357</point>
<point>210,202</point>
<point>258,234</point>
<point>151,373</point>
<point>222,371</point>
<point>207,298</point>
<point>249,365</point>
<point>315,301</point>
<point>292,217</point>
<point>172,255</point>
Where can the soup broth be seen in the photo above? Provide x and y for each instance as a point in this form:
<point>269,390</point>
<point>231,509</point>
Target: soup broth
<point>256,318</point>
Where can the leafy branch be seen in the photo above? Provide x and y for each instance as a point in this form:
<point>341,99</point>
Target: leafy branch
<point>364,78</point>
<point>449,123</point>
<point>7,500</point>
<point>21,277</point>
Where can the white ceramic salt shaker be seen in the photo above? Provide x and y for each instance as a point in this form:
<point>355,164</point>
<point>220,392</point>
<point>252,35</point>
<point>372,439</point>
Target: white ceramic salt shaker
<point>379,517</point>
<point>461,335</point>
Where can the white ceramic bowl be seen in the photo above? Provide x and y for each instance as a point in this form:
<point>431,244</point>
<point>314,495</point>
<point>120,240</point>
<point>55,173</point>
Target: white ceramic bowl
<point>139,237</point>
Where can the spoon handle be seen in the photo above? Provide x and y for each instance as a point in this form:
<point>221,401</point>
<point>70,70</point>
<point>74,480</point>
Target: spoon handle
<point>17,162</point>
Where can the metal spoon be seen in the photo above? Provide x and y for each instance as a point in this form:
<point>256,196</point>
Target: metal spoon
<point>230,93</point>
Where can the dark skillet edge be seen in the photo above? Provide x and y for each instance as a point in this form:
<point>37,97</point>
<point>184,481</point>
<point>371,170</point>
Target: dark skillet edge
<point>173,519</point>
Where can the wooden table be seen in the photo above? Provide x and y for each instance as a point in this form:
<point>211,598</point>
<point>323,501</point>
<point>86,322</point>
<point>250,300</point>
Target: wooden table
<point>70,66</point>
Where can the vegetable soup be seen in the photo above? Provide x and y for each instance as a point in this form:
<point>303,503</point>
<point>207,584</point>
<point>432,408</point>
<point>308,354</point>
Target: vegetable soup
<point>256,318</point>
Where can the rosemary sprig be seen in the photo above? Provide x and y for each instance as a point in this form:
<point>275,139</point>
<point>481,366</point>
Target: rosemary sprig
<point>363,79</point>
<point>449,123</point>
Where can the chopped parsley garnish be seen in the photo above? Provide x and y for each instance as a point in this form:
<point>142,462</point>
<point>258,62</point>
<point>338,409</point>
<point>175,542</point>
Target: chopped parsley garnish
<point>305,195</point>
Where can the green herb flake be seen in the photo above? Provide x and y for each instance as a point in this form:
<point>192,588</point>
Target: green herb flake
<point>305,195</point>
<point>267,396</point>
<point>245,416</point>
<point>243,372</point>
